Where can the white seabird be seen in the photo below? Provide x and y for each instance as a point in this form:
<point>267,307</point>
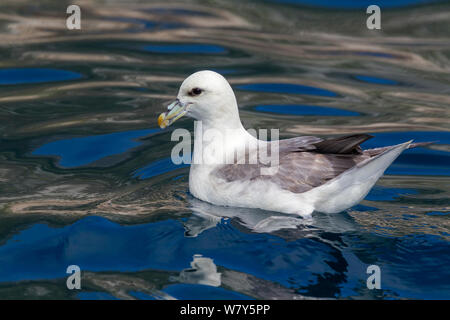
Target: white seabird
<point>313,174</point>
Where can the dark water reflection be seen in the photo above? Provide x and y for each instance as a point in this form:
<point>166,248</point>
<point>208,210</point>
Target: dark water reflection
<point>86,177</point>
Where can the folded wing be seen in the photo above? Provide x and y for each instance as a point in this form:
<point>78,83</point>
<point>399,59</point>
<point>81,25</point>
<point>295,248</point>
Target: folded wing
<point>304,162</point>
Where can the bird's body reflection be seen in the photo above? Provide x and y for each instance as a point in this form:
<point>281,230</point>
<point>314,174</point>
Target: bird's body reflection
<point>206,216</point>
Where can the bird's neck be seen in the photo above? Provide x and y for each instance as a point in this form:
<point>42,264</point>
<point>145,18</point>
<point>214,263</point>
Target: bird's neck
<point>214,141</point>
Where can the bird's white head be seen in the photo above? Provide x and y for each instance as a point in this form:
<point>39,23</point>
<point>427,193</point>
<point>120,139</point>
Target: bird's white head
<point>206,96</point>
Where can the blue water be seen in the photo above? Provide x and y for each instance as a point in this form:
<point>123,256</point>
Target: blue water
<point>388,194</point>
<point>11,76</point>
<point>158,167</point>
<point>375,80</point>
<point>86,176</point>
<point>78,152</point>
<point>96,244</point>
<point>89,295</point>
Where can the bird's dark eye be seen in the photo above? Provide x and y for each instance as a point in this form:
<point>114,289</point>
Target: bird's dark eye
<point>195,92</point>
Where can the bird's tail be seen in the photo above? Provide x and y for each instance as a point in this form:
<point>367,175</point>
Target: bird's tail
<point>356,182</point>
<point>377,151</point>
<point>420,144</point>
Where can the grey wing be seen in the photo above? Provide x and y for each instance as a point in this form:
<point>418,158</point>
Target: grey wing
<point>304,162</point>
<point>305,143</point>
<point>300,172</point>
<point>340,145</point>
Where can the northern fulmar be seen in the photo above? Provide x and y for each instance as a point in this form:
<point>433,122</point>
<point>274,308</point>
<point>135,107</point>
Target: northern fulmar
<point>311,174</point>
